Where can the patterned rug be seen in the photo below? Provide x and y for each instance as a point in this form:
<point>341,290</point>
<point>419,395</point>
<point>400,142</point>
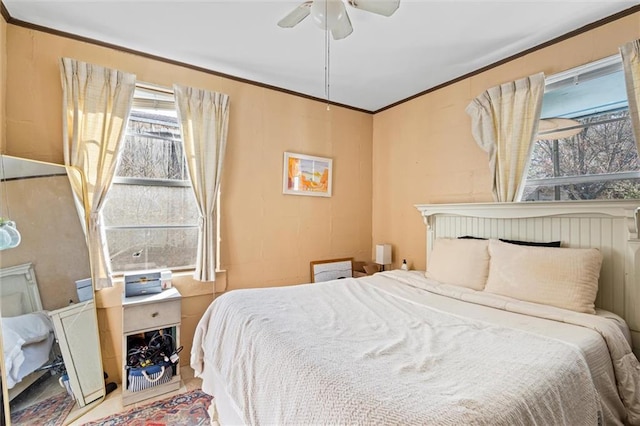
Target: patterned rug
<point>188,409</point>
<point>50,412</point>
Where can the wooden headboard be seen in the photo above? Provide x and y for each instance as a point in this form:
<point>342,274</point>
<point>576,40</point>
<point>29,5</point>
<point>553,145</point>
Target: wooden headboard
<point>610,226</point>
<point>21,279</point>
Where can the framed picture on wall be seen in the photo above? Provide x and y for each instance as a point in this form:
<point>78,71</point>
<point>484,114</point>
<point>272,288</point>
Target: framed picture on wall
<point>306,175</point>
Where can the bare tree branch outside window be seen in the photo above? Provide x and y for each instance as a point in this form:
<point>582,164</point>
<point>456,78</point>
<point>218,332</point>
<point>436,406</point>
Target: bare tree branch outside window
<point>600,162</point>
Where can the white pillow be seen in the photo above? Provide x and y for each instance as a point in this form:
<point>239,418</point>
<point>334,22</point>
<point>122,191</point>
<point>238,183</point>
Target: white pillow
<point>463,262</point>
<point>561,277</point>
<point>32,327</point>
<point>11,305</point>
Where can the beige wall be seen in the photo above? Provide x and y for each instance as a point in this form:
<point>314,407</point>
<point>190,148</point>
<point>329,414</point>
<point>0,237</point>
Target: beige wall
<point>267,238</point>
<point>423,151</point>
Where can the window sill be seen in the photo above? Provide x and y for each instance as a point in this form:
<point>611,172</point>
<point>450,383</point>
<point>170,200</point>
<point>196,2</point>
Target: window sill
<point>182,280</point>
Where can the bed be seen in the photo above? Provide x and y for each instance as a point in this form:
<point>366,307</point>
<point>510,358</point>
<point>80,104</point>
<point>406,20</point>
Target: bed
<point>449,346</point>
<point>27,330</point>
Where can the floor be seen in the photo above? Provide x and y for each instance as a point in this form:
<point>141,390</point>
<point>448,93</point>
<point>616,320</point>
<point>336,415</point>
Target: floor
<point>46,387</point>
<point>112,404</point>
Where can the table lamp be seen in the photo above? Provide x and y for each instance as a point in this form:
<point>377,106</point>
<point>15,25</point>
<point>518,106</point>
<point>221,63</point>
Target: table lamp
<point>383,255</point>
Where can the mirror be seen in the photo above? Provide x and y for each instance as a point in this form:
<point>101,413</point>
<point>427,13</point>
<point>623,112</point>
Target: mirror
<point>51,362</point>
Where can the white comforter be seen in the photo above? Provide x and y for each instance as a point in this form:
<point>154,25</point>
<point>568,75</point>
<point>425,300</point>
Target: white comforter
<point>17,333</point>
<point>382,350</point>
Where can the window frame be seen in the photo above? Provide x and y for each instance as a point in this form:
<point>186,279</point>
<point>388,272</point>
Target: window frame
<point>573,76</point>
<point>159,100</point>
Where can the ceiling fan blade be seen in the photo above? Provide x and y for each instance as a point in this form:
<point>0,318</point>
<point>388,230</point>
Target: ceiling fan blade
<point>381,7</point>
<point>342,27</point>
<point>296,15</point>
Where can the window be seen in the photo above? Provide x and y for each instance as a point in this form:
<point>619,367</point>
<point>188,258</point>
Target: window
<point>150,215</point>
<point>585,148</point>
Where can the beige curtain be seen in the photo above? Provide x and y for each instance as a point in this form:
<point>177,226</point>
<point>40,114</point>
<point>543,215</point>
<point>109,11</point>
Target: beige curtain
<point>96,103</point>
<point>504,122</point>
<point>204,118</point>
<point>631,62</point>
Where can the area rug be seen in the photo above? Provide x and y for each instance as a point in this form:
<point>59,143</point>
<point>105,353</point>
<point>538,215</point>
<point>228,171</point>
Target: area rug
<point>50,412</point>
<point>188,409</point>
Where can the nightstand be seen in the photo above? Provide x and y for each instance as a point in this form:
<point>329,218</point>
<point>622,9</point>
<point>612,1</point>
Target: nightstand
<point>149,313</point>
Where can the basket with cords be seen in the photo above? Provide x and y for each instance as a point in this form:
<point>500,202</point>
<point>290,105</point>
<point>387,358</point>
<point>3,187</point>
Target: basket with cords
<point>151,363</point>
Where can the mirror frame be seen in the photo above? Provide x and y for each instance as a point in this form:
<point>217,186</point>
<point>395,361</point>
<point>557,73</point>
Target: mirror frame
<point>84,222</point>
<point>5,391</point>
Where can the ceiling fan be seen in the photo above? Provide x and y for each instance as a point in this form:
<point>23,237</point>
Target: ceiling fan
<point>332,15</point>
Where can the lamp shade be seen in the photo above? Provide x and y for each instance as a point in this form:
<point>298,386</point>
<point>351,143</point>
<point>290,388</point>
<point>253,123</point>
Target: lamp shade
<point>383,254</point>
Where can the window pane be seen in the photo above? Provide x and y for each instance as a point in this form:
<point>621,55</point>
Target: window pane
<point>606,145</point>
<point>152,148</point>
<point>136,249</point>
<point>607,190</point>
<point>150,205</point>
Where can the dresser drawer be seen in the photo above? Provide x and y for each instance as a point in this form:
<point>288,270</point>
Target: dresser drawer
<point>151,315</point>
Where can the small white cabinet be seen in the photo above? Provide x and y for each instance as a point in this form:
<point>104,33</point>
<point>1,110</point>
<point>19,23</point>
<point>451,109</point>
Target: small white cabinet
<point>142,314</point>
<point>76,329</point>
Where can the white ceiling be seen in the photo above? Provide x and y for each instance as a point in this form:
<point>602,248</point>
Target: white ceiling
<point>385,60</point>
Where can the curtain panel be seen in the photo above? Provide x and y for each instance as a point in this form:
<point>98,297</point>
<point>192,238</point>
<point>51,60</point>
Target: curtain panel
<point>204,118</point>
<point>504,122</point>
<point>631,62</point>
<point>96,103</point>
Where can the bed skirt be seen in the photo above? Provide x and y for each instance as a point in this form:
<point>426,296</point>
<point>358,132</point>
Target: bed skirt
<point>222,411</point>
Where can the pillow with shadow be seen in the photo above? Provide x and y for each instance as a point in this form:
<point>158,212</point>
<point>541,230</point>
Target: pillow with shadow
<point>566,278</point>
<point>518,242</point>
<point>462,262</point>
<point>532,243</point>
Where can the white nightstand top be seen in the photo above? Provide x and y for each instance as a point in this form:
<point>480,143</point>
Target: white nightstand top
<point>168,294</point>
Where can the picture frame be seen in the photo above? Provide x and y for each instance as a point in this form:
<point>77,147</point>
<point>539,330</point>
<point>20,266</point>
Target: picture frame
<point>331,269</point>
<point>307,175</point>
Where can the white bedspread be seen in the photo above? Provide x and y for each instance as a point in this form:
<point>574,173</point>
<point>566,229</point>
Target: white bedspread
<point>383,350</point>
<point>19,332</point>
